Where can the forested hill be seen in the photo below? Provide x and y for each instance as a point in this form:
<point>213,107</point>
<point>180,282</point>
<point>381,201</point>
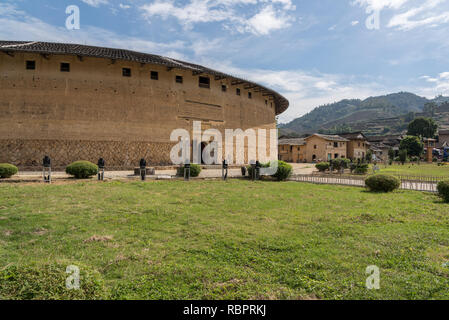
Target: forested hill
<point>346,114</point>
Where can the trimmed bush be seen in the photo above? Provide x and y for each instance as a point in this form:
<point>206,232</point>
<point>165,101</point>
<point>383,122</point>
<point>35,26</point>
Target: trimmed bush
<point>322,166</point>
<point>443,190</point>
<point>195,170</point>
<point>340,163</point>
<point>7,170</point>
<point>82,169</point>
<point>360,168</point>
<point>284,171</point>
<point>382,183</point>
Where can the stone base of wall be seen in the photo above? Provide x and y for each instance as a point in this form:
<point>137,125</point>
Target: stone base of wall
<point>28,154</point>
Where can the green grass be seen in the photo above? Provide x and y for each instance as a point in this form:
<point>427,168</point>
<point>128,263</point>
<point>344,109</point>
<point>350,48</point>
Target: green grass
<point>424,169</point>
<point>216,240</point>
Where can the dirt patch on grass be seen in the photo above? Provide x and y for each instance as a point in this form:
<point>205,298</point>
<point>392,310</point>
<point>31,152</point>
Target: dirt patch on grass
<point>40,231</point>
<point>96,238</point>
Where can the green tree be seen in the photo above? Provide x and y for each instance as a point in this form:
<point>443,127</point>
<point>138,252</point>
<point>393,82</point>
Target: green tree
<point>403,156</point>
<point>369,156</point>
<point>391,154</point>
<point>412,145</point>
<point>422,127</point>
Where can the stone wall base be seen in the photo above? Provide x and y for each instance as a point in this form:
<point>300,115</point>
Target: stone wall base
<point>119,155</point>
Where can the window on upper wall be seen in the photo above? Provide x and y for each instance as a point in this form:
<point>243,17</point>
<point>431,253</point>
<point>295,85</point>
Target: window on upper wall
<point>31,65</point>
<point>237,91</point>
<point>250,95</point>
<point>335,144</point>
<point>204,82</point>
<point>154,75</point>
<point>179,79</point>
<point>126,72</point>
<point>223,88</point>
<point>65,67</point>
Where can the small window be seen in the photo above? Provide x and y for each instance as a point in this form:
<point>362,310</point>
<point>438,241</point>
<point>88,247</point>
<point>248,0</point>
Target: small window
<point>237,91</point>
<point>126,72</point>
<point>65,67</point>
<point>250,95</point>
<point>204,82</point>
<point>223,88</point>
<point>314,146</point>
<point>335,144</point>
<point>154,75</point>
<point>179,79</point>
<point>31,65</point>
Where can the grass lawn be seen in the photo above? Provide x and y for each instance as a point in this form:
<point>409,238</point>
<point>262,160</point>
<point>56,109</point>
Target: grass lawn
<point>216,240</point>
<point>426,169</point>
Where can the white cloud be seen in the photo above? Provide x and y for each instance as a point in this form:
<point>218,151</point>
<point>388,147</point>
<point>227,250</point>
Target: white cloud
<point>95,3</point>
<point>354,23</point>
<point>124,6</point>
<point>439,85</point>
<point>380,4</point>
<point>268,20</point>
<point>424,14</point>
<point>427,14</point>
<point>270,15</point>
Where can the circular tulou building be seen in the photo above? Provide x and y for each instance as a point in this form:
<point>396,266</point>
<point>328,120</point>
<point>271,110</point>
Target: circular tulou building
<point>76,102</point>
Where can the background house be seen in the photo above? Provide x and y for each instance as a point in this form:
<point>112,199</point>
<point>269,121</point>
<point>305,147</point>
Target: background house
<point>356,146</point>
<point>292,150</point>
<point>321,147</point>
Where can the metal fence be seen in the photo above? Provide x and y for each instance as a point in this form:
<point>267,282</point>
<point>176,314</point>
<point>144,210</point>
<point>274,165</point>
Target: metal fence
<point>418,183</point>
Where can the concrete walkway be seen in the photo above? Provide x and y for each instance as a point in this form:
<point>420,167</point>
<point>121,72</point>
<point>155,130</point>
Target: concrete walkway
<point>164,173</point>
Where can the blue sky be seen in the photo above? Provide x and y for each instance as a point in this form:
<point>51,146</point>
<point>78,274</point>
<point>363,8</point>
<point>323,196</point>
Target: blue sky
<point>311,51</point>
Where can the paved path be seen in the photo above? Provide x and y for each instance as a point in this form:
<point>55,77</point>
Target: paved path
<point>205,173</point>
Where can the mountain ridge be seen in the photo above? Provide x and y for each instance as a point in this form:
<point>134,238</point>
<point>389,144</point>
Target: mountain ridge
<point>395,110</point>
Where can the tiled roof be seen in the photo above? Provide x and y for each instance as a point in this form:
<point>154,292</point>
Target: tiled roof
<point>292,142</point>
<point>122,54</point>
<point>329,137</point>
<point>443,132</point>
<point>353,135</point>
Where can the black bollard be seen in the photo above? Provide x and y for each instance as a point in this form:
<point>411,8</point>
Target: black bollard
<point>258,166</point>
<point>46,171</point>
<point>224,170</point>
<point>143,169</point>
<point>253,170</point>
<point>101,166</point>
<point>187,171</point>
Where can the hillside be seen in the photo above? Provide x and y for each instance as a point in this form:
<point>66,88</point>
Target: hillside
<point>375,115</point>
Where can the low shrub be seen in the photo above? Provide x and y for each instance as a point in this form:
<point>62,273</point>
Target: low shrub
<point>341,163</point>
<point>82,169</point>
<point>322,166</point>
<point>443,190</point>
<point>7,170</point>
<point>195,170</point>
<point>284,171</point>
<point>48,282</point>
<point>361,168</point>
<point>382,183</point>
